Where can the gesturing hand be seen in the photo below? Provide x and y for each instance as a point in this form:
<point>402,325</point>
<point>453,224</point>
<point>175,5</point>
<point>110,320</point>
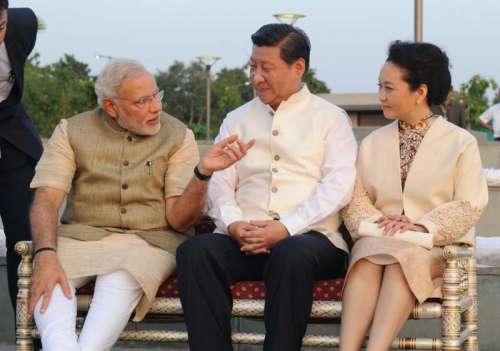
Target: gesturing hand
<point>262,239</point>
<point>47,273</point>
<point>224,154</point>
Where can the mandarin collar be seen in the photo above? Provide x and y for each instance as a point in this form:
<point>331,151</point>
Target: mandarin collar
<point>302,94</point>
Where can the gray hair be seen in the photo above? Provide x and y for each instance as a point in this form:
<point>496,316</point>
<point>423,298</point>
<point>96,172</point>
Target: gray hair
<point>112,76</point>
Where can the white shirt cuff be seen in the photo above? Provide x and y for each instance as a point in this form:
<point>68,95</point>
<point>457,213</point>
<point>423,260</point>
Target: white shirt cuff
<point>293,223</point>
<point>228,215</point>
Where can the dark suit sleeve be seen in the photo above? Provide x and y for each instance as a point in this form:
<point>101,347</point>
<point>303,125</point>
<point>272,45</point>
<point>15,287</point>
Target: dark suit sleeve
<point>23,22</point>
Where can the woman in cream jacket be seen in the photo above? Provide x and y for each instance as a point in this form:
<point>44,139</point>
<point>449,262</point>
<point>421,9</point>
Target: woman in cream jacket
<point>419,173</point>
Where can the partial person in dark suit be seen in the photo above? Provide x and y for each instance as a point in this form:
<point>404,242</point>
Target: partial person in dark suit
<point>20,146</point>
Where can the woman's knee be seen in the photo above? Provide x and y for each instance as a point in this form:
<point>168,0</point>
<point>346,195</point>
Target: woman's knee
<point>364,269</point>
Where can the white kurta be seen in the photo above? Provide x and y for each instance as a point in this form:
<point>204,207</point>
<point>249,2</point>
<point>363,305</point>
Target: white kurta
<point>301,170</point>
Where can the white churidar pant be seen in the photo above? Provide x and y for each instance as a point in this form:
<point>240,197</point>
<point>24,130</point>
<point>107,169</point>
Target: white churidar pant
<point>115,297</point>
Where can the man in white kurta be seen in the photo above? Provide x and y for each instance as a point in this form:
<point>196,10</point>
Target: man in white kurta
<point>492,115</point>
<point>276,211</point>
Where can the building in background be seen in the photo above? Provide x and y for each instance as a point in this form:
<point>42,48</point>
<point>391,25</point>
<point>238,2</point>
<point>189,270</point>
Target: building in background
<point>363,108</point>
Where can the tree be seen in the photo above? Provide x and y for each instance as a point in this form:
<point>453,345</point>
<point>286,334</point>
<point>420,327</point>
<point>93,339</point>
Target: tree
<point>230,89</point>
<point>56,91</point>
<point>474,95</point>
<point>184,91</point>
<point>315,85</point>
<point>496,100</point>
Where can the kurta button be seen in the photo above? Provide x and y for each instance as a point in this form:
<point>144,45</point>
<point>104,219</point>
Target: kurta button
<point>129,138</point>
<point>275,132</point>
<point>275,170</point>
<point>274,215</point>
<point>276,157</point>
<point>125,163</point>
<point>124,186</point>
<point>123,210</point>
<point>274,189</point>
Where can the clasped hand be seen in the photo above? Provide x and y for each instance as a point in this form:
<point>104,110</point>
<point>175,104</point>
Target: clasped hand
<point>393,224</point>
<point>258,237</point>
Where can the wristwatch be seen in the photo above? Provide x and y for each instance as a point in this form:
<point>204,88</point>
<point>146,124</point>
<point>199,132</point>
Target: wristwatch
<point>200,176</point>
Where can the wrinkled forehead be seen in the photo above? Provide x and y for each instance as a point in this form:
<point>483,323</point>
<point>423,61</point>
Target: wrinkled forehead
<point>138,84</point>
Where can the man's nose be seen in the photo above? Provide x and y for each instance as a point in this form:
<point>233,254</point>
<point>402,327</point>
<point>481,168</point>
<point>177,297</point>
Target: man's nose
<point>256,77</point>
<point>155,105</point>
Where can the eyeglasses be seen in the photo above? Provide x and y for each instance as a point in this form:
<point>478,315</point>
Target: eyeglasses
<point>145,101</point>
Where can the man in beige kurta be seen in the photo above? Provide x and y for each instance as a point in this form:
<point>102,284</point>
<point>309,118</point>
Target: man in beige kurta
<point>127,171</point>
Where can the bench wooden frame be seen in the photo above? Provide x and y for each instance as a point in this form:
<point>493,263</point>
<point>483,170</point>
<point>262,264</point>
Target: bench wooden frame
<point>458,310</point>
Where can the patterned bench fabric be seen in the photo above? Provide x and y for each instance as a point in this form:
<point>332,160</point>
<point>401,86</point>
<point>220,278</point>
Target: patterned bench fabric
<point>325,290</point>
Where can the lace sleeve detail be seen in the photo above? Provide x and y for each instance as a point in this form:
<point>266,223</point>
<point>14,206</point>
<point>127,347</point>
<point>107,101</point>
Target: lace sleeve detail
<point>450,221</point>
<point>360,208</point>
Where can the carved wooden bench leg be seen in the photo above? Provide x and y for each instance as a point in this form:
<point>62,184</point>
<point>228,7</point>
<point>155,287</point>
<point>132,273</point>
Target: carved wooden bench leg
<point>24,324</point>
<point>471,315</point>
<point>452,294</point>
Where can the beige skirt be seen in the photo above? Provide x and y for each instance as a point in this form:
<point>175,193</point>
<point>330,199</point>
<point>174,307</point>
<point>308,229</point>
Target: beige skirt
<point>148,264</point>
<point>423,269</point>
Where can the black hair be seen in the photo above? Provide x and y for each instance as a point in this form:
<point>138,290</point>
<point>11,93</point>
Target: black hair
<point>4,5</point>
<point>294,43</point>
<point>423,63</point>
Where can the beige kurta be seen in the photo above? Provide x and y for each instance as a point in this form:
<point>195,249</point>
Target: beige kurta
<point>440,186</point>
<point>125,250</point>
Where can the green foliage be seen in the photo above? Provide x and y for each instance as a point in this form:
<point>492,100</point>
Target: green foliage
<point>230,89</point>
<point>56,91</point>
<point>184,88</point>
<point>496,100</point>
<point>474,95</point>
<point>185,92</point>
<point>315,85</point>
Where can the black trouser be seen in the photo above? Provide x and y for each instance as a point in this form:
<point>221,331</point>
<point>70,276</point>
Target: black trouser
<point>208,264</point>
<point>16,172</point>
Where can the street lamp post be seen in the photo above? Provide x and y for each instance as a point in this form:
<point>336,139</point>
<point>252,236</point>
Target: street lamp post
<point>288,17</point>
<point>419,14</point>
<point>208,61</point>
<point>100,56</point>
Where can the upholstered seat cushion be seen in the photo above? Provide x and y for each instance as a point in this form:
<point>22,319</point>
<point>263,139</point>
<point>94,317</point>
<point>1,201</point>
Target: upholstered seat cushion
<point>325,290</point>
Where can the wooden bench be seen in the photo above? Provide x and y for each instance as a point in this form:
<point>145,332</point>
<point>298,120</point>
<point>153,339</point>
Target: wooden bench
<point>457,309</point>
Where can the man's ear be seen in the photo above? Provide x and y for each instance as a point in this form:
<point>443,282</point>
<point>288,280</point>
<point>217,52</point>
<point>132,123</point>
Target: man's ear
<point>110,107</point>
<point>299,67</point>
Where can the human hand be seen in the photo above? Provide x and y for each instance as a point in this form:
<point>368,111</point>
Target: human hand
<point>393,224</point>
<point>238,229</point>
<point>262,239</point>
<point>224,154</point>
<point>47,273</point>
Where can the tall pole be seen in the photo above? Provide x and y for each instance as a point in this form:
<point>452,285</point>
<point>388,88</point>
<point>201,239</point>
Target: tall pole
<point>208,61</point>
<point>208,101</point>
<point>419,14</point>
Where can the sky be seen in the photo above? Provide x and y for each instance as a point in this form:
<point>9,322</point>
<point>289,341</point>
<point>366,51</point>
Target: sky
<point>349,37</point>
